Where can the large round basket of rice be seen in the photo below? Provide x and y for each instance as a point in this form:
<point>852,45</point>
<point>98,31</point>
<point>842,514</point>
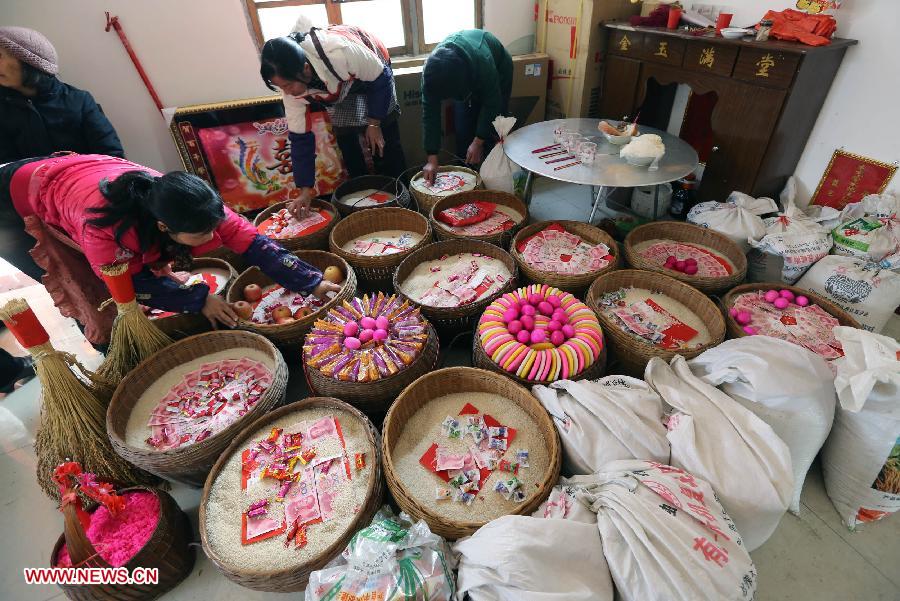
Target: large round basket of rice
<point>464,446</point>
<point>290,492</point>
<point>178,409</point>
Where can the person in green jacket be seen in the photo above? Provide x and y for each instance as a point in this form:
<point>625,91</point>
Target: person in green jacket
<point>473,68</point>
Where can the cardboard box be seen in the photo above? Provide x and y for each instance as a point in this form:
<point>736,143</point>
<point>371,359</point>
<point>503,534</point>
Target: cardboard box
<point>527,102</point>
<point>574,42</point>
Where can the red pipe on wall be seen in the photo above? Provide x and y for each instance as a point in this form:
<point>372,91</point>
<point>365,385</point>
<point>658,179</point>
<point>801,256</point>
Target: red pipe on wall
<point>114,23</point>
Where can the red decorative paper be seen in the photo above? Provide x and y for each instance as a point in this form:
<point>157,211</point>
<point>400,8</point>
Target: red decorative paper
<point>849,177</point>
<point>251,161</point>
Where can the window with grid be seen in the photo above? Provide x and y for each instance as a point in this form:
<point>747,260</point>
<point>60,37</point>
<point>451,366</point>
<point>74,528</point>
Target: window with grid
<point>406,27</point>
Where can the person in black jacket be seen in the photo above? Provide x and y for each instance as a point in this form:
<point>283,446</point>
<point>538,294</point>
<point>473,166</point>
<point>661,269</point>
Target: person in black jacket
<point>39,114</point>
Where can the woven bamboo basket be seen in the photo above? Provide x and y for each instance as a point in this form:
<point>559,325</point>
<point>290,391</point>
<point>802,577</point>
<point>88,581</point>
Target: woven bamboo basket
<point>296,577</point>
<point>317,240</point>
<point>632,352</point>
<point>189,464</point>
<point>463,379</point>
<point>442,231</point>
<point>426,200</point>
<point>237,262</point>
<point>480,359</point>
<point>182,325</point>
<point>375,272</point>
<point>576,284</point>
<point>373,398</point>
<point>735,330</point>
<point>167,550</point>
<point>454,319</point>
<point>290,335</point>
<point>382,183</point>
<point>691,234</point>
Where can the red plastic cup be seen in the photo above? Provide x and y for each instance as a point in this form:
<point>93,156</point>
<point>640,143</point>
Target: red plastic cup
<point>723,21</point>
<point>674,18</point>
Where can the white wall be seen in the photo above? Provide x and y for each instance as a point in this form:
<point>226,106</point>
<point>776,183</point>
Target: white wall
<point>202,51</point>
<point>859,111</point>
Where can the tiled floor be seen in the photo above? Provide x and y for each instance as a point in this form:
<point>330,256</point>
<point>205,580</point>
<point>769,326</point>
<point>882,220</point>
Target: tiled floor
<point>810,557</point>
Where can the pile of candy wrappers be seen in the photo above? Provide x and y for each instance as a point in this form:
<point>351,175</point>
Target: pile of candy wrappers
<point>464,284</point>
<point>648,320</point>
<point>206,401</point>
<point>555,250</point>
<point>282,225</point>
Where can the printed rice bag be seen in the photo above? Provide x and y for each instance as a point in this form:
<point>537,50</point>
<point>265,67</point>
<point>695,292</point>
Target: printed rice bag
<point>738,218</point>
<point>615,417</point>
<point>523,558</point>
<point>467,214</point>
<point>785,385</point>
<point>666,535</point>
<point>869,291</point>
<point>393,559</point>
<point>870,229</point>
<point>715,438</point>
<point>861,458</point>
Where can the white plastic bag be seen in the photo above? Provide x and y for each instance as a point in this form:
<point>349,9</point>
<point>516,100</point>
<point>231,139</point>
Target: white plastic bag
<point>497,171</point>
<point>715,438</point>
<point>738,218</point>
<point>785,385</point>
<point>393,559</point>
<point>616,417</point>
<point>666,536</point>
<point>522,558</point>
<point>868,291</point>
<point>866,428</point>
<point>792,243</point>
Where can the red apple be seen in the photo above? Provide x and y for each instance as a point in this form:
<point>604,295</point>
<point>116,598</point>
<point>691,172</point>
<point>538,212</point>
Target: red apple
<point>282,313</point>
<point>252,293</point>
<point>243,309</point>
<point>302,312</point>
<point>333,274</point>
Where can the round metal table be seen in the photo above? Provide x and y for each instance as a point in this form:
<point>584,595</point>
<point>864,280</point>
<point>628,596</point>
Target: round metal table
<point>608,171</point>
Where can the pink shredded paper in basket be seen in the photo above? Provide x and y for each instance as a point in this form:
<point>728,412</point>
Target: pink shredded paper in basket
<point>118,539</point>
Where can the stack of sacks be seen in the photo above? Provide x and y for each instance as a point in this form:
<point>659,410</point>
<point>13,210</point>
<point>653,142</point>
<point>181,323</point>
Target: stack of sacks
<point>612,418</point>
<point>738,218</point>
<point>861,458</point>
<point>792,243</point>
<point>665,535</point>
<point>870,229</point>
<point>524,558</point>
<point>713,437</point>
<point>785,385</point>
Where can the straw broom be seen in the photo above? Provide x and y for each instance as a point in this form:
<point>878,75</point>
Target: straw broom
<point>134,337</point>
<point>73,418</point>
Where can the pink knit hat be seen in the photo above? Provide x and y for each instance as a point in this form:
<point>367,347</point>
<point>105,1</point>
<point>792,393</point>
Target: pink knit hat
<point>29,46</point>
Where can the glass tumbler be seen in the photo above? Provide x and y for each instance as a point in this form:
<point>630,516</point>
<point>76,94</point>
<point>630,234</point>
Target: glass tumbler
<point>587,151</point>
<point>559,134</point>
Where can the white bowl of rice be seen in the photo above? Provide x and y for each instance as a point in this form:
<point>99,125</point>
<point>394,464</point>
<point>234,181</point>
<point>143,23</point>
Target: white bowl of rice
<point>642,150</point>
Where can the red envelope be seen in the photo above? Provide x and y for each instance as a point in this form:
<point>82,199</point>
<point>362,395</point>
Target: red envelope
<point>677,331</point>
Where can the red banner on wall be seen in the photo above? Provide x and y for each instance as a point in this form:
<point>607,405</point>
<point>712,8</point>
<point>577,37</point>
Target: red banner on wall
<point>849,177</point>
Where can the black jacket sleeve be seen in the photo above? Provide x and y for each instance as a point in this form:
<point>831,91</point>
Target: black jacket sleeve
<point>282,266</point>
<point>99,133</point>
<point>168,295</point>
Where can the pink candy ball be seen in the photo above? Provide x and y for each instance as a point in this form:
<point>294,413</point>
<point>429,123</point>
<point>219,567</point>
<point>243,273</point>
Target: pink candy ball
<point>690,261</point>
<point>671,259</point>
<point>733,312</point>
<point>352,343</point>
<point>801,301</point>
<point>771,295</point>
<point>554,325</point>
<point>557,338</point>
<point>524,337</point>
<point>749,330</point>
<point>787,294</point>
<point>680,265</point>
<point>514,327</point>
<point>351,328</point>
<point>690,269</point>
<point>538,336</point>
<point>560,316</point>
<point>529,310</point>
<point>380,335</point>
<point>382,323</point>
<point>509,315</point>
<point>366,335</point>
<point>554,300</point>
<point>527,322</point>
<point>545,308</point>
<point>743,317</point>
<point>568,331</point>
<point>781,303</point>
<point>367,323</point>
<point>535,299</point>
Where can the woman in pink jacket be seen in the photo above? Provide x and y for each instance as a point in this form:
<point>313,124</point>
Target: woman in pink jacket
<point>120,212</point>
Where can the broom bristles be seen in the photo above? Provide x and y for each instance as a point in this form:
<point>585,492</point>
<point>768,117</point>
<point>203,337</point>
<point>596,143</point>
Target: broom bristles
<point>134,338</point>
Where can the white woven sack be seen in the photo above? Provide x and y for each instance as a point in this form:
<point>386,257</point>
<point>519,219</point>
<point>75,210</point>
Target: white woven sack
<point>498,172</point>
<point>738,218</point>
